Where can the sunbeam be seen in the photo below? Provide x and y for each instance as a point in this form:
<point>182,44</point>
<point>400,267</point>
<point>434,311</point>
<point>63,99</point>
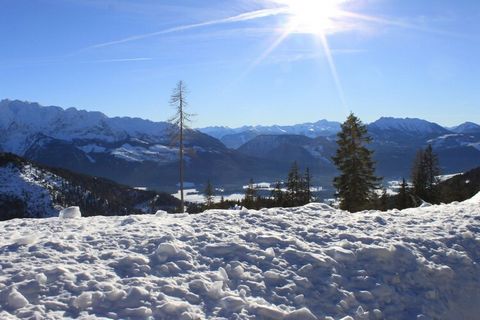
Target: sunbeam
<point>333,70</point>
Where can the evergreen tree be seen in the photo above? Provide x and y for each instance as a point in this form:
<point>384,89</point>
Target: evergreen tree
<point>307,184</point>
<point>293,186</point>
<point>419,175</point>
<point>250,195</point>
<point>209,196</point>
<point>357,181</point>
<point>402,197</point>
<point>424,174</point>
<point>384,200</point>
<point>278,195</point>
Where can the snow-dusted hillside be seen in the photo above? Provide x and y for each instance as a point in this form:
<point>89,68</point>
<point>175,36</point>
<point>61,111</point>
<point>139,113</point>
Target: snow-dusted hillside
<point>30,190</point>
<point>33,187</point>
<point>304,263</point>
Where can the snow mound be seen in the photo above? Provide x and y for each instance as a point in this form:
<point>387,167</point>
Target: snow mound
<point>306,263</point>
<point>70,213</point>
<point>161,213</point>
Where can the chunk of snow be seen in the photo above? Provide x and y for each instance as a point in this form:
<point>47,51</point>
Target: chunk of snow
<point>16,300</point>
<point>70,213</point>
<point>161,213</point>
<point>301,314</point>
<point>83,301</point>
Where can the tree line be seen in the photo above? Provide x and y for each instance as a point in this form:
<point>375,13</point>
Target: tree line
<point>295,191</point>
<point>357,186</point>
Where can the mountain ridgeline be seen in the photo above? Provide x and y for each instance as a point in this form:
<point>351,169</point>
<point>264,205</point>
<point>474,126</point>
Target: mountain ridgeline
<point>140,153</point>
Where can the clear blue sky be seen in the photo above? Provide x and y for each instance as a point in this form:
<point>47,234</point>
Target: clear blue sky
<point>246,61</point>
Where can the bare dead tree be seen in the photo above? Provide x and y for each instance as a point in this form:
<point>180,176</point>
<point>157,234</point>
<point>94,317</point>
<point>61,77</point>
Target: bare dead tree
<point>180,122</point>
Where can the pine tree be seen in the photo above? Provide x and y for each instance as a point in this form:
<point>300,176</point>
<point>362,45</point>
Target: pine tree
<point>180,122</point>
<point>357,182</point>
<point>384,200</point>
<point>419,175</point>
<point>307,184</point>
<point>250,195</point>
<point>278,195</point>
<point>209,195</point>
<point>402,197</point>
<point>424,174</point>
<point>293,186</point>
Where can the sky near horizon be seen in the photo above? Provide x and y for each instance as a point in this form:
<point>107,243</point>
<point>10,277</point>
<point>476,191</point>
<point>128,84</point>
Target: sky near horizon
<point>246,61</point>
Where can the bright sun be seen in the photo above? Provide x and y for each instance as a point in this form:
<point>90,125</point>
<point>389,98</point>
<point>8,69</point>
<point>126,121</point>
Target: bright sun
<point>312,16</point>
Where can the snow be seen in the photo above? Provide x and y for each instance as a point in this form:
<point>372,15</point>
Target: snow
<point>92,148</point>
<point>20,121</point>
<point>70,213</point>
<point>194,196</point>
<point>446,177</point>
<point>316,129</point>
<point>270,186</point>
<point>31,185</point>
<point>158,153</point>
<point>475,145</point>
<point>311,262</point>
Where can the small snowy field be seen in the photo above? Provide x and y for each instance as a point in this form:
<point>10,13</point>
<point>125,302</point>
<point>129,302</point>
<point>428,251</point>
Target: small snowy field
<point>312,262</point>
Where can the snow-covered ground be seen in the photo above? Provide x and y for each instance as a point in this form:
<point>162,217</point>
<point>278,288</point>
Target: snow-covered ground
<point>312,262</point>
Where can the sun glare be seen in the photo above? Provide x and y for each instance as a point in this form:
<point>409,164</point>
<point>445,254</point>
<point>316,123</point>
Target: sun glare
<point>312,16</point>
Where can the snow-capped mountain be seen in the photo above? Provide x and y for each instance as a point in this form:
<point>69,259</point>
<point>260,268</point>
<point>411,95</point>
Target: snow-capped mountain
<point>30,190</point>
<point>133,151</point>
<point>139,152</point>
<point>235,137</point>
<point>21,122</point>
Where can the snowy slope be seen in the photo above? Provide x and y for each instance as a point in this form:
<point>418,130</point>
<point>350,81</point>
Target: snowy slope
<point>30,190</point>
<point>304,263</point>
<point>34,187</point>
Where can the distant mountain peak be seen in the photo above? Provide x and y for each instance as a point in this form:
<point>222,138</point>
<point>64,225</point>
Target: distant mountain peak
<point>467,127</point>
<point>235,137</point>
<point>407,125</point>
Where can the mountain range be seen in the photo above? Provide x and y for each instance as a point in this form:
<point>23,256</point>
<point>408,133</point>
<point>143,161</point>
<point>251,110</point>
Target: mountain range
<point>139,152</point>
<point>235,137</point>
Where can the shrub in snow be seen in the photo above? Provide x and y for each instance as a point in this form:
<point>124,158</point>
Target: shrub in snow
<point>70,213</point>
